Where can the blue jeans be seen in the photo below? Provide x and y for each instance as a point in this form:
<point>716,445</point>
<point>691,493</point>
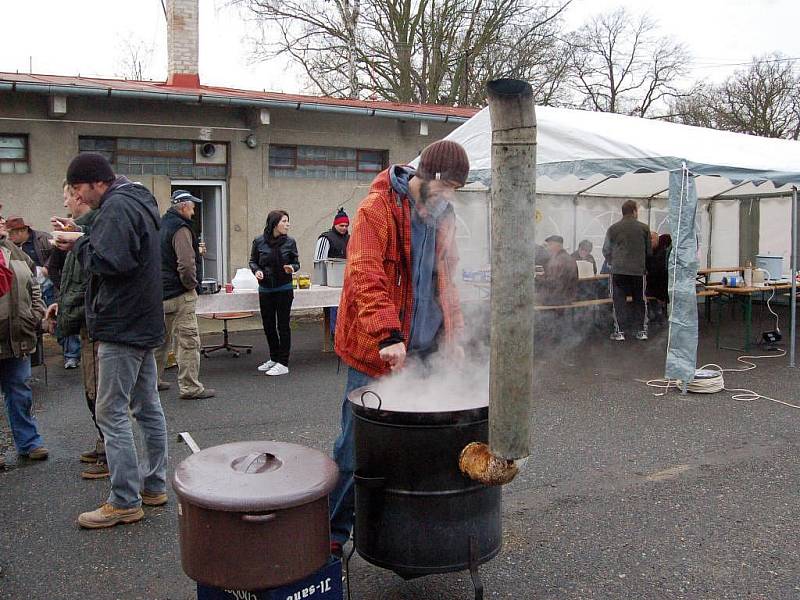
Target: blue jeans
<point>71,344</point>
<point>342,497</point>
<point>14,375</point>
<point>127,377</point>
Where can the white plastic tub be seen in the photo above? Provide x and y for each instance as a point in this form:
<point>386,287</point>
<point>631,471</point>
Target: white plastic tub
<point>334,272</point>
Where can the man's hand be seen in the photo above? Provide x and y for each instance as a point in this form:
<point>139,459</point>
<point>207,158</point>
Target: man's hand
<point>65,245</point>
<point>52,311</point>
<point>259,275</point>
<point>63,224</point>
<point>288,268</point>
<point>395,355</point>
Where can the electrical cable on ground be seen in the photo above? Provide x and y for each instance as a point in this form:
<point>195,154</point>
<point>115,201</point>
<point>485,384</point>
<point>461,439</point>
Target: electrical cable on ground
<point>709,380</point>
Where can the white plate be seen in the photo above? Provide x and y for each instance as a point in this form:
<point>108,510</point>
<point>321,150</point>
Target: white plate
<point>67,236</point>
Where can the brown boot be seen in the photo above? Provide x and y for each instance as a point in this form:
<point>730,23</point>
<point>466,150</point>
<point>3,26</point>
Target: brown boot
<point>98,470</point>
<point>92,456</point>
<point>39,453</point>
<point>108,516</point>
<point>153,498</point>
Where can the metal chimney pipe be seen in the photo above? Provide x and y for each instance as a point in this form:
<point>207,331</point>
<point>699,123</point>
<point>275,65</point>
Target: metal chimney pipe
<point>513,199</point>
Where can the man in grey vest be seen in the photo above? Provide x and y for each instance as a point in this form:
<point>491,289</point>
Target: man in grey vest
<point>180,262</point>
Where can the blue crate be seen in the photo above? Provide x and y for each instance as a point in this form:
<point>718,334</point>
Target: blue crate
<point>325,584</point>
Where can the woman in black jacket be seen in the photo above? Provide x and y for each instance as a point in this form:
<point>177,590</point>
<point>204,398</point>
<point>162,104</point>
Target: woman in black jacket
<point>273,259</point>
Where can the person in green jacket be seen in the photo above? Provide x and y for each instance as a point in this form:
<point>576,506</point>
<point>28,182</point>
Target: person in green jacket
<point>70,316</point>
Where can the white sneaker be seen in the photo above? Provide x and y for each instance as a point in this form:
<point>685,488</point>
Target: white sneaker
<point>278,369</point>
<point>618,336</point>
<point>266,366</point>
<point>641,335</point>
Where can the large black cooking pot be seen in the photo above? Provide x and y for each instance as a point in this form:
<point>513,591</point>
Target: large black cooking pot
<point>416,513</point>
<point>254,515</point>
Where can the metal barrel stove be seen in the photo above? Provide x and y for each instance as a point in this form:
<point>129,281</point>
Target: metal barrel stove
<point>416,513</point>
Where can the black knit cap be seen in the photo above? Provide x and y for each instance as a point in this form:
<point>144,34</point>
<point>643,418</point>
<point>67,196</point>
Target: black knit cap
<point>89,167</point>
<point>445,160</point>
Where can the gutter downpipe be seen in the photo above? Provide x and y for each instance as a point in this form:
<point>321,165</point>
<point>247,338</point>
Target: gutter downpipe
<point>212,100</point>
<point>513,206</point>
<point>793,325</point>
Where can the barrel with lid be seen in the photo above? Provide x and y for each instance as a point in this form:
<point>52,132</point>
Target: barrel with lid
<point>416,513</point>
<point>254,515</point>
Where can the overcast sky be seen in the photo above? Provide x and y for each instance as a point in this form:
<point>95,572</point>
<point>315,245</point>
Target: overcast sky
<point>83,36</point>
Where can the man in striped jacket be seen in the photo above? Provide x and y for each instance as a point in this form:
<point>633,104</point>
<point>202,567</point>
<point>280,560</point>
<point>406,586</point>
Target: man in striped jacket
<point>399,298</point>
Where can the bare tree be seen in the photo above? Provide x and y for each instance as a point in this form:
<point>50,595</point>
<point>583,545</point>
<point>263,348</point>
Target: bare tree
<point>413,50</point>
<point>621,64</point>
<point>763,99</point>
<point>134,59</point>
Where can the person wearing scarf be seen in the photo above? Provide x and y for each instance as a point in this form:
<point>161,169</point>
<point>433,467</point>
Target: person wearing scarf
<point>273,260</point>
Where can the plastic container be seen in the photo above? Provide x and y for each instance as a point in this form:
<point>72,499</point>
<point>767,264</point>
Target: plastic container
<point>244,280</point>
<point>334,272</point>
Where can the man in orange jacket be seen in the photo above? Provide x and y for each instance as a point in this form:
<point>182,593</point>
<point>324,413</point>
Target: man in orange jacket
<point>399,298</point>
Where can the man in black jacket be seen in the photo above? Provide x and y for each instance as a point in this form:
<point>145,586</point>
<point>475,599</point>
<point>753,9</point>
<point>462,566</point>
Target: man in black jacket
<point>180,263</point>
<point>124,315</point>
<point>626,248</point>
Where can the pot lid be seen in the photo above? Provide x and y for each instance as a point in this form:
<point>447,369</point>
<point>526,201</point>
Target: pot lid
<point>255,476</point>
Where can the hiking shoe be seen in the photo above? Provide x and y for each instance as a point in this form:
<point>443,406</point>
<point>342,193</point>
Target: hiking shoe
<point>153,498</point>
<point>264,367</point>
<point>641,335</point>
<point>617,336</point>
<point>71,363</point>
<point>98,470</point>
<point>206,393</point>
<point>108,516</point>
<point>278,369</point>
<point>92,456</point>
<point>337,550</point>
<point>163,385</point>
<point>39,453</point>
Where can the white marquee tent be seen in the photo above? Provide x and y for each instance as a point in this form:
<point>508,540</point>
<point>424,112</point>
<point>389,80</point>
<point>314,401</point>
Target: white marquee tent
<point>588,163</point>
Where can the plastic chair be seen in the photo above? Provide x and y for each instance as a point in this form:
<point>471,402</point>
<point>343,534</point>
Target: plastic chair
<point>226,345</point>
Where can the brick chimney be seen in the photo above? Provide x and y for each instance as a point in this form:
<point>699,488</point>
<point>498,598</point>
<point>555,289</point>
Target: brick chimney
<point>183,40</point>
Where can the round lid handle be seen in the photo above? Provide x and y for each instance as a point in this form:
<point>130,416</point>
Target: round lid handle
<point>257,462</point>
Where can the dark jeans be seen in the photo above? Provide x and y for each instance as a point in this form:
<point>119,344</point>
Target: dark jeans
<point>275,310</point>
<point>629,317</point>
<point>343,495</point>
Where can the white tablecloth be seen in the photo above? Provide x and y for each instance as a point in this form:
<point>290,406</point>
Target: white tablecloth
<point>318,296</point>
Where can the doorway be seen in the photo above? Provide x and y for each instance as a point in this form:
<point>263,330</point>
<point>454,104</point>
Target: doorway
<point>210,224</point>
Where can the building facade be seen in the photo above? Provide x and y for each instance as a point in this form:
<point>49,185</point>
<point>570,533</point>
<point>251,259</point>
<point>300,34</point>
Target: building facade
<point>244,153</point>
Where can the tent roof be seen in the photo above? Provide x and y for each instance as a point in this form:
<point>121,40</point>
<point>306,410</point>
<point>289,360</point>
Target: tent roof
<point>617,155</point>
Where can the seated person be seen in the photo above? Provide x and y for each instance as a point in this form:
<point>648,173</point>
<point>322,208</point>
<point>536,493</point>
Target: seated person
<point>541,256</point>
<point>559,282</point>
<point>584,252</point>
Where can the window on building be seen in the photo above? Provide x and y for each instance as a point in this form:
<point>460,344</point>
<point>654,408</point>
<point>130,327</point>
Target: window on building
<point>152,156</point>
<point>325,162</point>
<point>14,156</point>
<point>283,157</point>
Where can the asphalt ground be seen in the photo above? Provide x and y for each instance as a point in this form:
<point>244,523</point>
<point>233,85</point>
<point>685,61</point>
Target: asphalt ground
<point>626,494</point>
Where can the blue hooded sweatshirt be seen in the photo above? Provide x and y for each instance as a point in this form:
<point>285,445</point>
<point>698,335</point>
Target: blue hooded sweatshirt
<point>426,312</point>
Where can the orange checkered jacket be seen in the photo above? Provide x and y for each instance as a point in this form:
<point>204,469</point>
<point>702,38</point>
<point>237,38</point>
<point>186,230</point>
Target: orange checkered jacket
<point>377,295</point>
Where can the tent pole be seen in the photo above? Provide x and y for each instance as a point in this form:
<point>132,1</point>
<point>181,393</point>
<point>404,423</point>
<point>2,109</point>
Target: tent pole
<point>793,302</point>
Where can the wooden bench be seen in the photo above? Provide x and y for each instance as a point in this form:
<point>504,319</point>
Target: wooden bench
<point>602,301</point>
